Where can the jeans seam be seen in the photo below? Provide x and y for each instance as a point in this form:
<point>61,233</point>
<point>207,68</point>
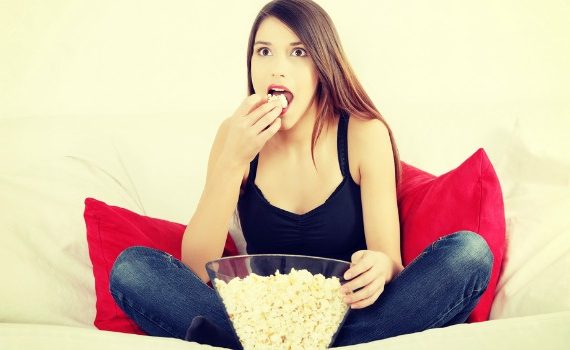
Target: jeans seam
<point>435,243</point>
<point>486,285</point>
<point>426,250</point>
<point>453,308</point>
<point>127,303</point>
<point>177,263</point>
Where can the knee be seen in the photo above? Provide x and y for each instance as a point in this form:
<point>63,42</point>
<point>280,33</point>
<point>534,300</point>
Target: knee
<point>468,254</point>
<point>128,269</point>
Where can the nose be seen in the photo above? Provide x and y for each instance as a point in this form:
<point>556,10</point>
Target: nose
<point>279,66</point>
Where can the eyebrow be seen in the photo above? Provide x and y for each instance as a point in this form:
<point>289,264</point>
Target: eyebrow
<point>268,43</point>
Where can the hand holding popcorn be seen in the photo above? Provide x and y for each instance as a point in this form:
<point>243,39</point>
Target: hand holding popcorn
<point>369,272</point>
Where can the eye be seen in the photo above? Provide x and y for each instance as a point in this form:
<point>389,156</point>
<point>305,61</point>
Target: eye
<point>264,51</point>
<point>260,50</point>
<point>304,53</point>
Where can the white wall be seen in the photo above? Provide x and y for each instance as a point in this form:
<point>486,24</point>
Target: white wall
<point>442,64</point>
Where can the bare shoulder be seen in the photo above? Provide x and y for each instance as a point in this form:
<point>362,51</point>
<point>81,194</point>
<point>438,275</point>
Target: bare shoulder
<point>368,138</point>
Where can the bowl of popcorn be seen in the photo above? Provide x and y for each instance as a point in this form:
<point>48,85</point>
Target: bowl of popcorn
<point>277,301</point>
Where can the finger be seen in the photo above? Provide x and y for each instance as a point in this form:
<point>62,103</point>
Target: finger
<point>359,282</point>
<point>363,265</point>
<point>262,110</point>
<point>365,292</point>
<point>249,104</point>
<point>368,301</point>
<point>270,131</point>
<point>357,256</point>
<point>266,120</point>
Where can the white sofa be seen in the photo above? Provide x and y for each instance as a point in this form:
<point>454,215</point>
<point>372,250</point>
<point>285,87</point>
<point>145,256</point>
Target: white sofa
<point>120,101</point>
<point>155,165</point>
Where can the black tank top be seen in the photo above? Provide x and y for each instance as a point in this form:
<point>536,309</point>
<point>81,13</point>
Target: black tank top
<point>334,229</point>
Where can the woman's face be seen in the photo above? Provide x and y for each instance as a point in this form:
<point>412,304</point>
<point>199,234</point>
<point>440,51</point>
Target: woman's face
<point>276,61</point>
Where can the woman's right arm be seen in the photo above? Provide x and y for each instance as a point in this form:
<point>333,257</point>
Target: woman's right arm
<point>237,141</point>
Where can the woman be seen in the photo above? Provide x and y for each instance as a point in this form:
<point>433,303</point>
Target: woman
<point>316,178</point>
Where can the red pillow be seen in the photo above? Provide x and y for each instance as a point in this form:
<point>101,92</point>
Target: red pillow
<point>110,230</point>
<point>466,198</point>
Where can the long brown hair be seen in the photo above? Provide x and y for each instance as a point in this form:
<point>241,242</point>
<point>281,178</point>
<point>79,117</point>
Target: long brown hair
<point>338,89</point>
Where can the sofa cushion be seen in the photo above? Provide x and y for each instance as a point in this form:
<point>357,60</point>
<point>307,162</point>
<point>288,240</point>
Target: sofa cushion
<point>468,197</point>
<point>112,229</point>
<point>49,166</point>
<point>537,202</point>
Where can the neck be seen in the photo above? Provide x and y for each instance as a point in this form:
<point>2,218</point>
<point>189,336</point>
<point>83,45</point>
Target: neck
<point>296,141</point>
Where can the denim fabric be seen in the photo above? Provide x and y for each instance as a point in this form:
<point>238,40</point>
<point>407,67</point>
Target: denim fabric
<point>438,289</point>
<point>161,294</point>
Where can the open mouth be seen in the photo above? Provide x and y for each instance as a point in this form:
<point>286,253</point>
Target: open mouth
<point>282,92</point>
<point>276,91</point>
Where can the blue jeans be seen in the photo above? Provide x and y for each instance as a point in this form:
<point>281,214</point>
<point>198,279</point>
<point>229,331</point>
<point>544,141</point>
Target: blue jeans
<point>438,289</point>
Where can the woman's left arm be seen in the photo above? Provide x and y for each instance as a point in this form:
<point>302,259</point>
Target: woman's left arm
<point>371,269</point>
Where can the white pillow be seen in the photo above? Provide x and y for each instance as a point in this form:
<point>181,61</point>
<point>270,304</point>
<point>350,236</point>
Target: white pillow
<point>535,277</point>
<point>48,168</point>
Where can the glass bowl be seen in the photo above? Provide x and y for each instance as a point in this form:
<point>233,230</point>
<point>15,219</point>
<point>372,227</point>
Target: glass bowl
<point>247,308</point>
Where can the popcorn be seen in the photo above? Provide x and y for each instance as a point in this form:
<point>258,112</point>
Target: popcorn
<point>280,97</point>
<point>298,310</point>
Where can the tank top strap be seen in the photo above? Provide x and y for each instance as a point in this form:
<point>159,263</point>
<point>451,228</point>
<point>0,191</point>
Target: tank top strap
<point>342,143</point>
<point>253,169</point>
